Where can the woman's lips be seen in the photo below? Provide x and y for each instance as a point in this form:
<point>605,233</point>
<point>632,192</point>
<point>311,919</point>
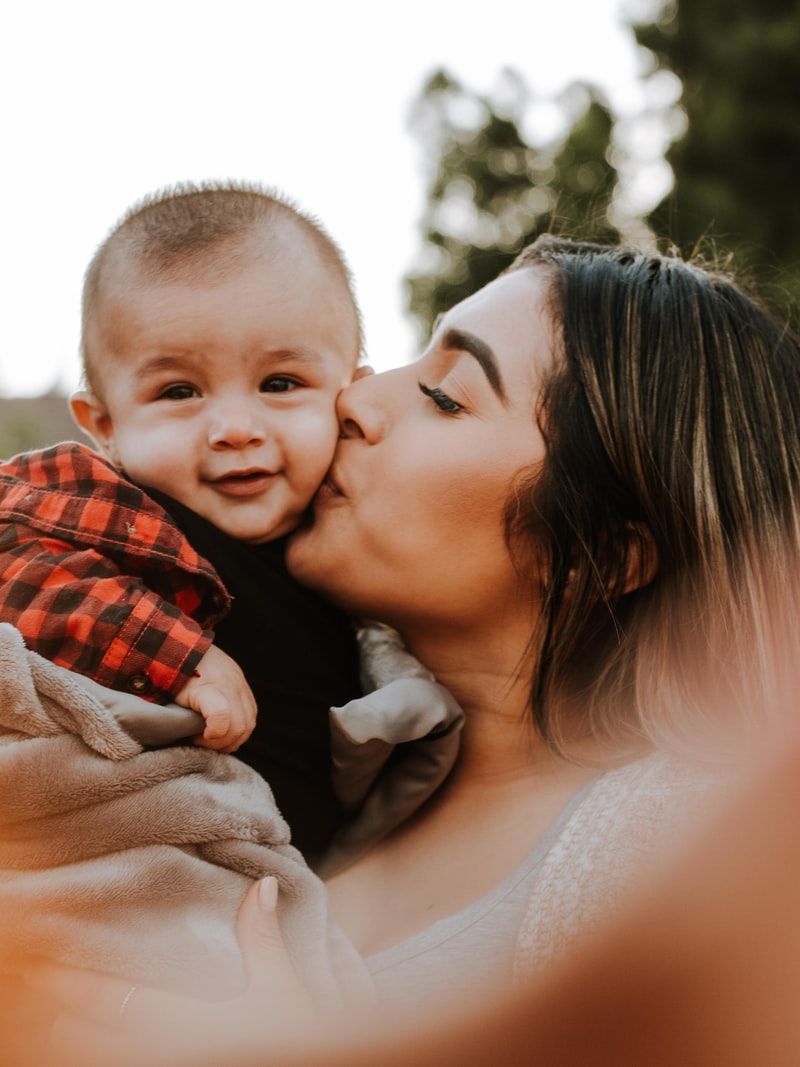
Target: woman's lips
<point>329,490</point>
<point>243,483</point>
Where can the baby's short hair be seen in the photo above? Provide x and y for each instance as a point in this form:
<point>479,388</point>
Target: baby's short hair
<point>182,228</point>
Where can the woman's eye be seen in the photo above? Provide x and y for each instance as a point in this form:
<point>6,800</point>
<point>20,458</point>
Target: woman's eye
<point>279,383</point>
<point>178,392</point>
<point>443,402</point>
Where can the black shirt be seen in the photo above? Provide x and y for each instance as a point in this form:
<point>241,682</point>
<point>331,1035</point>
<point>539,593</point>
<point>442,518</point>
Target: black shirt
<point>299,656</point>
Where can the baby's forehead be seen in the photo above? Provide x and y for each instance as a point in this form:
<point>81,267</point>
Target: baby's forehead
<point>271,259</point>
<point>189,242</point>
<point>248,310</point>
<point>269,252</point>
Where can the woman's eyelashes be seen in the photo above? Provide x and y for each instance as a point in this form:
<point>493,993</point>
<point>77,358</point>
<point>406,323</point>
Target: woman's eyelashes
<point>442,401</point>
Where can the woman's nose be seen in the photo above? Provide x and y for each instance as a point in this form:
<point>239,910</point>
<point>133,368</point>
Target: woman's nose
<point>236,425</point>
<point>362,410</point>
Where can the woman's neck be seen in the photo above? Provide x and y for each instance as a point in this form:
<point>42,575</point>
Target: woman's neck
<point>488,674</point>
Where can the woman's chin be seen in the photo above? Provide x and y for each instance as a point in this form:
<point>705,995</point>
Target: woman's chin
<point>307,550</point>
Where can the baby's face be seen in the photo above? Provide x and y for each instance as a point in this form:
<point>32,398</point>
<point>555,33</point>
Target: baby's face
<point>222,393</point>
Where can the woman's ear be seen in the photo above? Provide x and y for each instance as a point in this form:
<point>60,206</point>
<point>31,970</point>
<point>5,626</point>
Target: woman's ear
<point>641,563</point>
<point>642,559</point>
<point>92,417</point>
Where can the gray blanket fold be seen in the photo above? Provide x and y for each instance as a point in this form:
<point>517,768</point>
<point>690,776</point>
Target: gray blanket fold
<point>135,862</point>
<point>391,750</point>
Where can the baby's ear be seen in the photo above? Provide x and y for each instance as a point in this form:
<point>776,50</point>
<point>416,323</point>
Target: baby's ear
<point>91,416</point>
<point>363,372</point>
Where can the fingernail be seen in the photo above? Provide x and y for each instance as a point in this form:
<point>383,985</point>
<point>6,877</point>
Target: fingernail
<point>268,893</point>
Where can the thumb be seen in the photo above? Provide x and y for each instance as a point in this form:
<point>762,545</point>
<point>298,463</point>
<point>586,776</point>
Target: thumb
<point>259,933</point>
<point>275,993</point>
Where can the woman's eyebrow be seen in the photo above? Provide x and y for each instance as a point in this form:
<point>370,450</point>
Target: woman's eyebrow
<point>462,341</point>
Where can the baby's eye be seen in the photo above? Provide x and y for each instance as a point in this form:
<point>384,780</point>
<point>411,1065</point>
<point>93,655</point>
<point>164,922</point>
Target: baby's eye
<point>180,391</point>
<point>279,383</point>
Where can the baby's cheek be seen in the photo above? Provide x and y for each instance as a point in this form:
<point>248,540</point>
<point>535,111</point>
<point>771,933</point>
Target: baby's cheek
<point>310,444</point>
<point>158,460</point>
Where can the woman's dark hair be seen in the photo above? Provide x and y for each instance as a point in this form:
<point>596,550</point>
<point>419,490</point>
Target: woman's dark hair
<point>666,508</point>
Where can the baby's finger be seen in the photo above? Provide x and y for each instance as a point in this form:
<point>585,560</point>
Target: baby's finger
<point>208,699</point>
<point>217,745</point>
<point>237,724</point>
<point>238,741</point>
<point>227,744</point>
<point>241,724</point>
<point>246,703</point>
<point>243,732</point>
<point>251,708</point>
<point>219,725</point>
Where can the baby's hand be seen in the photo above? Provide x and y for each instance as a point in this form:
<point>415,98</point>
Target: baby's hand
<point>221,695</point>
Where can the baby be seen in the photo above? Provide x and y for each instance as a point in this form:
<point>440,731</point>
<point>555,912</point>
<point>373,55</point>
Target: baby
<point>219,325</point>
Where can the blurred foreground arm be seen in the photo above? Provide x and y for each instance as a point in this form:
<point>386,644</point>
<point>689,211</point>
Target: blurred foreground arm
<point>703,968</point>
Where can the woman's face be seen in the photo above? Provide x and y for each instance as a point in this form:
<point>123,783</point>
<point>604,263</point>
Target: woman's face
<point>410,525</point>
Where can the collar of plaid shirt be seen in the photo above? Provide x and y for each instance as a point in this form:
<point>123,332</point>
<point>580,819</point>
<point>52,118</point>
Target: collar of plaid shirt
<point>70,491</point>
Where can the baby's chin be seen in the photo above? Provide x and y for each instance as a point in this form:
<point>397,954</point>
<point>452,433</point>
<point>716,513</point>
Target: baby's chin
<point>249,531</point>
<point>254,523</point>
<point>257,535</point>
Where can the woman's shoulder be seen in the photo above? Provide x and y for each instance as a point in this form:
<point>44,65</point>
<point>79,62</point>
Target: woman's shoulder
<point>643,793</point>
<point>631,805</point>
<point>619,830</point>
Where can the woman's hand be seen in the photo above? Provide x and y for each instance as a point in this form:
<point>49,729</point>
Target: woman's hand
<point>110,1022</point>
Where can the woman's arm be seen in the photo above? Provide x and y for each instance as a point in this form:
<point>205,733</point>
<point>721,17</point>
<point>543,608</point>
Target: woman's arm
<point>704,968</point>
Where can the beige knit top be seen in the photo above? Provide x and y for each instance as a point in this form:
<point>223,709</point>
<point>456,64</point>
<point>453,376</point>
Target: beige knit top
<point>613,839</point>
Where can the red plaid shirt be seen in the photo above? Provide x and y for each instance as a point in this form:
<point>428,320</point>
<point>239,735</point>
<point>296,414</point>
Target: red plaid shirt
<point>98,578</point>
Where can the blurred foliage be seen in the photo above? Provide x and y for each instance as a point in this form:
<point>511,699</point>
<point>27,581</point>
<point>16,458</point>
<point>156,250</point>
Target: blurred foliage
<point>491,190</point>
<point>34,422</point>
<point>492,193</point>
<point>735,163</point>
<point>736,167</point>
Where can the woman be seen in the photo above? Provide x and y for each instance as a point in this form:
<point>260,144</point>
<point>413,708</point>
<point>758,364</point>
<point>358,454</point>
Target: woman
<point>588,543</point>
<point>597,454</point>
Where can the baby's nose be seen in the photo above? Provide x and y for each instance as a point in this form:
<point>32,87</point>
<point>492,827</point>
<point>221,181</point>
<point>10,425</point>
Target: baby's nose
<point>236,426</point>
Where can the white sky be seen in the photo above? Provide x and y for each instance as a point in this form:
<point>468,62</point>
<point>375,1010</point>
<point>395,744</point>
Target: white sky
<point>104,102</point>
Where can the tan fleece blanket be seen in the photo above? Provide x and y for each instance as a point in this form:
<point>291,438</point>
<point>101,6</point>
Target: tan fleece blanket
<point>135,862</point>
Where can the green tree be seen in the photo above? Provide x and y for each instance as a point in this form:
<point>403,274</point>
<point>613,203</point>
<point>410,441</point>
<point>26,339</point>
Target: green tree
<point>736,166</point>
<point>491,192</point>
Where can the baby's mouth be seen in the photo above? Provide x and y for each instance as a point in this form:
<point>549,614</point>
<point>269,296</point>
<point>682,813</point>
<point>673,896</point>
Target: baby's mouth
<point>248,482</point>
